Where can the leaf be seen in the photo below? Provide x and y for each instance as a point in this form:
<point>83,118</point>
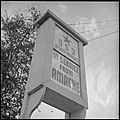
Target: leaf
<point>17,46</point>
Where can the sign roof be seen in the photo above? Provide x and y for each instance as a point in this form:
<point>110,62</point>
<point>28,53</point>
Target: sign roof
<point>62,23</point>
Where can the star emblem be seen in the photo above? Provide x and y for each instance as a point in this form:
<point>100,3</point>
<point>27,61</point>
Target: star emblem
<point>67,40</point>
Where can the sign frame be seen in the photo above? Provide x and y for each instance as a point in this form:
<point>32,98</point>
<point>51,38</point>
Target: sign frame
<point>40,72</point>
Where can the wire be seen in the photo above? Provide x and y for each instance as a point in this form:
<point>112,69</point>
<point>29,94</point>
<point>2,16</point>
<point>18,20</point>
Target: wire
<point>103,36</point>
<point>93,22</point>
<point>100,47</point>
<point>98,28</point>
<point>104,55</point>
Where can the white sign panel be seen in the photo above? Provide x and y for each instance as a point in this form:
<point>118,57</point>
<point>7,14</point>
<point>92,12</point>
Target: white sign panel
<point>66,45</point>
<point>65,73</point>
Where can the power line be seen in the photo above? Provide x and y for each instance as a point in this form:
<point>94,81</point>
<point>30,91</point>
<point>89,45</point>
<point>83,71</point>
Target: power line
<point>98,28</point>
<point>104,55</point>
<point>100,47</point>
<point>103,36</point>
<point>93,22</point>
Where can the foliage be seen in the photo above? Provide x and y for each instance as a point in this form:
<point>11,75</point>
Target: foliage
<point>17,44</point>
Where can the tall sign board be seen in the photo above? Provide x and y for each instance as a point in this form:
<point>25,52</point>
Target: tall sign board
<point>57,74</point>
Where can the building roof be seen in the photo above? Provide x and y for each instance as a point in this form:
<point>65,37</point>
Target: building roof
<point>62,23</point>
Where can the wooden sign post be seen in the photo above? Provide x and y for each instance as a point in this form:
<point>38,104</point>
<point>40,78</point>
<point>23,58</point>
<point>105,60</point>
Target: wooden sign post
<point>57,74</point>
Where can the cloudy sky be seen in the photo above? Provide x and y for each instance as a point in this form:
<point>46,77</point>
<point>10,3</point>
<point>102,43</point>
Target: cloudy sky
<point>101,54</point>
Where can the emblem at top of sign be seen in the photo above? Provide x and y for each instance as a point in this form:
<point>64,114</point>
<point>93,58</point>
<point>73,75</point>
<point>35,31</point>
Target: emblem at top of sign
<point>66,40</point>
<point>66,45</point>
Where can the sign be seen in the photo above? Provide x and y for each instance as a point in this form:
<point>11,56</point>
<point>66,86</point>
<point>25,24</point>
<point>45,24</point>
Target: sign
<point>56,70</point>
<point>65,73</point>
<point>66,45</point>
